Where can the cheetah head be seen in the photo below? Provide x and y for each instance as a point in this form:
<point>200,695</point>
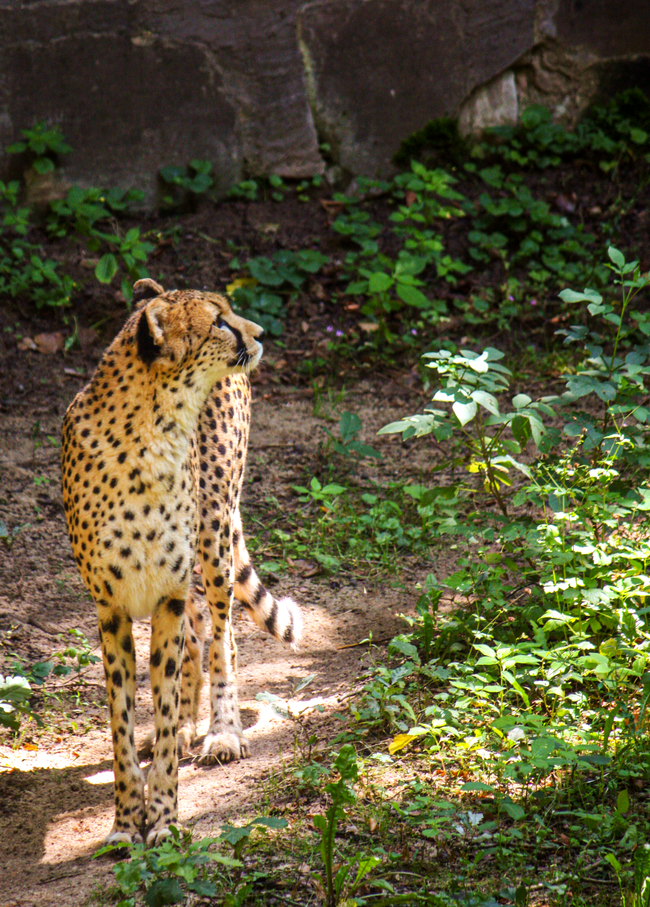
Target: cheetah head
<point>178,326</point>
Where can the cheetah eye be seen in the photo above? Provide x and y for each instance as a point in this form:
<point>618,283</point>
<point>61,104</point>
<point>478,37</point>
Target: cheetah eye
<point>221,324</point>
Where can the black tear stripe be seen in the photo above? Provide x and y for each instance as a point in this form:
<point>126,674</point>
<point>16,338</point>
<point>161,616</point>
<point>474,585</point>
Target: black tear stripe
<point>242,357</point>
<point>148,351</point>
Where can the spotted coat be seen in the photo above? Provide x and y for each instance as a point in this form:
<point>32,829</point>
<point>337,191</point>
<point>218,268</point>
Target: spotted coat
<point>153,457</point>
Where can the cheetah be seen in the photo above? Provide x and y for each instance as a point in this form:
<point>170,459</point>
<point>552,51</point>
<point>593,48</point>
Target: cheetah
<point>153,454</point>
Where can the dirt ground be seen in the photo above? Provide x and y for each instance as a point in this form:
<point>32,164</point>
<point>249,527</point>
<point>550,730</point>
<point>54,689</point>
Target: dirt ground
<point>56,788</point>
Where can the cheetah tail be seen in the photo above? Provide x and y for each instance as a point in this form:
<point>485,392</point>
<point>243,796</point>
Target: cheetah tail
<point>280,617</point>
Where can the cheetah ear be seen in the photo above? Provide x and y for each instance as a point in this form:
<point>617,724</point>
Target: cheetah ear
<point>151,330</point>
<point>146,289</point>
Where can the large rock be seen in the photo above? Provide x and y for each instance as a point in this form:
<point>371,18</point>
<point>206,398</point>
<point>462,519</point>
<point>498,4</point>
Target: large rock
<point>379,70</point>
<point>136,86</point>
<point>608,28</point>
<point>254,86</point>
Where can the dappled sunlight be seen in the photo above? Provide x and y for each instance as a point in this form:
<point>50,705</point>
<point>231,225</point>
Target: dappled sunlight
<point>24,760</point>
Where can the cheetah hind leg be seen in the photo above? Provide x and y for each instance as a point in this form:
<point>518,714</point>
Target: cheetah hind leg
<point>225,740</point>
<point>191,682</point>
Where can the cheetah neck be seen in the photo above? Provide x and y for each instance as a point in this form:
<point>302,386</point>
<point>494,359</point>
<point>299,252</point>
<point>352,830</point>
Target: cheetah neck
<point>151,418</point>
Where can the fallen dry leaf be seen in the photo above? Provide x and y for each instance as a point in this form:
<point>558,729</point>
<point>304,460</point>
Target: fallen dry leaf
<point>26,343</point>
<point>368,326</point>
<point>306,569</point>
<point>330,206</point>
<point>50,343</point>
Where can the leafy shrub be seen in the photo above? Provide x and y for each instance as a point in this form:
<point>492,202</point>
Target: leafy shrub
<point>24,272</point>
<point>262,296</point>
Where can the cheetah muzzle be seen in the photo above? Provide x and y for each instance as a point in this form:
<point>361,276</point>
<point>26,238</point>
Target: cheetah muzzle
<point>153,456</point>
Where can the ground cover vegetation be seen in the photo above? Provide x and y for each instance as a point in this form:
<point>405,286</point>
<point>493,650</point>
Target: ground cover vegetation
<point>497,752</point>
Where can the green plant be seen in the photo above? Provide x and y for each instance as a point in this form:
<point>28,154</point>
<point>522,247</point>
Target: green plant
<point>43,145</point>
<point>85,211</point>
<point>640,896</point>
<point>337,882</point>
<point>246,189</point>
<point>517,227</point>
<point>541,667</point>
<point>278,187</point>
<point>82,208</point>
<point>15,693</point>
<point>183,186</point>
<point>166,872</point>
<point>237,836</point>
<point>617,381</point>
<point>8,536</point>
<point>133,251</point>
<point>325,496</point>
<point>24,273</point>
<point>471,384</point>
<point>283,274</point>
<point>614,133</point>
<point>349,446</point>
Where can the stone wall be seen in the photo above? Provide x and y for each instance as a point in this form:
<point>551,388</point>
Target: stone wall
<point>260,86</point>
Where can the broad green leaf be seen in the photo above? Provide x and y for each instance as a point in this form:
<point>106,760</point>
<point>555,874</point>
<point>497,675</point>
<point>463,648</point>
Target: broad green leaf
<point>616,257</point>
<point>406,648</point>
<point>366,865</point>
<point>349,426</point>
<point>164,891</point>
<point>346,763</point>
<point>588,296</point>
<point>613,862</point>
<point>521,400</point>
<point>106,268</point>
<point>513,809</point>
<point>484,649</point>
<point>14,689</point>
<point>333,489</point>
<point>270,822</point>
<point>379,282</point>
<point>264,270</point>
<point>412,296</point>
<point>205,889</point>
<point>486,400</point>
<point>465,412</point>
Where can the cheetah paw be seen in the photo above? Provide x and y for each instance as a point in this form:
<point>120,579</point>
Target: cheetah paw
<point>185,739</point>
<point>157,835</point>
<point>224,747</point>
<point>122,837</point>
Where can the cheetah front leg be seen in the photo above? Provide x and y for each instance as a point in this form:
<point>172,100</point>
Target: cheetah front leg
<point>118,653</point>
<point>192,675</point>
<point>225,739</point>
<point>167,643</point>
